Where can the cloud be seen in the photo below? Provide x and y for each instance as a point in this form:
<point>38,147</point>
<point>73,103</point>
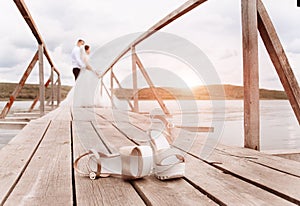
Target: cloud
<point>215,27</point>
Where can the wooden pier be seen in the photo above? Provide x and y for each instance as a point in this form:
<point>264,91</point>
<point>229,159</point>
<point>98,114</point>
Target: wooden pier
<point>36,168</point>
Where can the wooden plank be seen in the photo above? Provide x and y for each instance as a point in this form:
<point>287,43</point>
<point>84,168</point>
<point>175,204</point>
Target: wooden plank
<point>15,119</point>
<point>278,182</point>
<point>15,156</point>
<point>19,87</point>
<point>82,114</point>
<point>143,122</point>
<point>172,192</point>
<point>290,156</point>
<point>41,81</point>
<point>279,59</point>
<point>153,191</point>
<point>134,82</point>
<point>12,125</point>
<point>244,167</point>
<point>151,85</point>
<point>87,136</point>
<point>48,178</point>
<point>225,188</point>
<point>251,80</point>
<point>101,191</point>
<point>64,114</point>
<point>261,158</point>
<point>222,188</point>
<point>270,161</point>
<point>180,11</point>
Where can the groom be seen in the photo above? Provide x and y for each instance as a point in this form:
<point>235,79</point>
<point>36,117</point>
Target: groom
<point>77,62</point>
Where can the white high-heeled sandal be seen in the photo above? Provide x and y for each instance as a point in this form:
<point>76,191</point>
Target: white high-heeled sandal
<point>169,163</point>
<point>132,162</point>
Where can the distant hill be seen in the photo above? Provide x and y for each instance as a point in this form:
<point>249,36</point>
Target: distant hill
<point>28,92</point>
<point>231,92</point>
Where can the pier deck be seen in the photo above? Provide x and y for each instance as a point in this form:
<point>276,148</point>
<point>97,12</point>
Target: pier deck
<point>36,167</point>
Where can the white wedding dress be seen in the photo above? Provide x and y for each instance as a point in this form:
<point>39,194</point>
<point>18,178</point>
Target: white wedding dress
<point>86,91</point>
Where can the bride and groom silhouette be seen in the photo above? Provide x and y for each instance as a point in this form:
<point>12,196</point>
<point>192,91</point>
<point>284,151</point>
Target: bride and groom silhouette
<point>86,92</point>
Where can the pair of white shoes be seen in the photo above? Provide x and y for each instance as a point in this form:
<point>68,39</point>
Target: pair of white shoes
<point>135,162</point>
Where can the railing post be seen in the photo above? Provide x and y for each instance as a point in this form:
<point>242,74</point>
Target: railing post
<point>41,80</point>
<point>111,87</point>
<point>134,82</point>
<point>52,87</point>
<point>251,79</point>
<point>58,90</point>
<point>279,58</point>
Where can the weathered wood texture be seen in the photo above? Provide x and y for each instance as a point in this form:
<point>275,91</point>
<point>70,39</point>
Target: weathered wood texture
<point>41,81</point>
<point>103,191</point>
<point>267,172</point>
<point>36,166</point>
<point>153,191</point>
<point>17,154</point>
<point>47,177</point>
<point>278,57</point>
<point>150,83</point>
<point>251,80</point>
<point>134,81</point>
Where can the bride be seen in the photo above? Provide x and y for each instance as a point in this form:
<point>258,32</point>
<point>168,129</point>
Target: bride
<point>86,92</point>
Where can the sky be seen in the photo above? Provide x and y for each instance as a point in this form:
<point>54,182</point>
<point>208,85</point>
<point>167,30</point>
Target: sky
<point>214,27</point>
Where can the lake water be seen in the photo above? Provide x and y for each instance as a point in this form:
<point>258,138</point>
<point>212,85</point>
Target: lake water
<point>5,134</point>
<point>279,127</point>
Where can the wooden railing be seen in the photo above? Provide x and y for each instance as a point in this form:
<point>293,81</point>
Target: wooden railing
<point>38,57</point>
<point>254,18</point>
<point>136,61</point>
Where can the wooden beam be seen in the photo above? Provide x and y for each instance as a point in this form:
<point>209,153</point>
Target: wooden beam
<point>110,97</point>
<point>19,87</point>
<point>279,58</point>
<point>151,85</point>
<point>41,80</point>
<point>134,81</point>
<point>111,86</point>
<point>52,87</point>
<point>180,11</point>
<point>58,90</point>
<point>30,22</point>
<point>251,79</point>
<point>27,17</point>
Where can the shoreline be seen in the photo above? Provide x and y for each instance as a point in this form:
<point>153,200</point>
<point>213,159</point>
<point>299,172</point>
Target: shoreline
<point>219,92</point>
